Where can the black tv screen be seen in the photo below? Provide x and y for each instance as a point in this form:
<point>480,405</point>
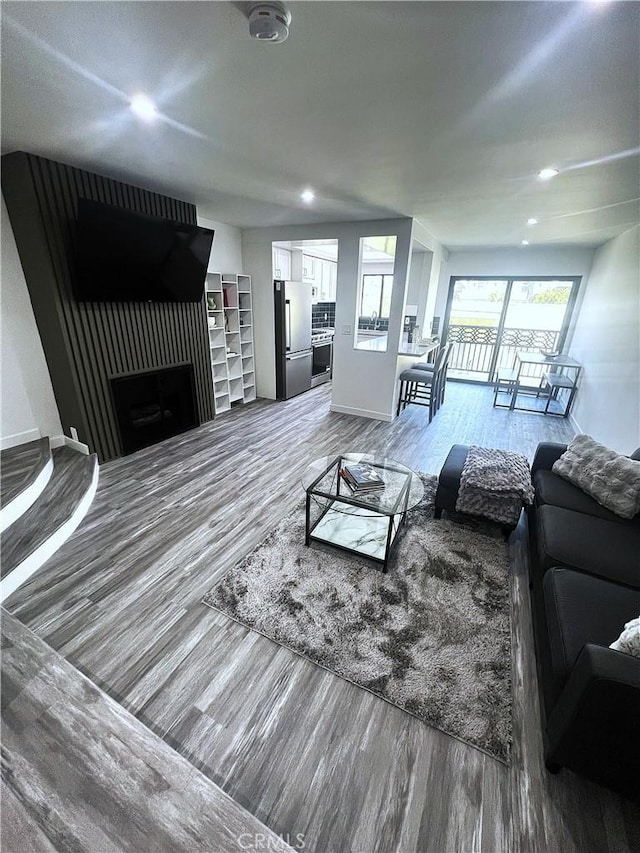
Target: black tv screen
<point>122,256</point>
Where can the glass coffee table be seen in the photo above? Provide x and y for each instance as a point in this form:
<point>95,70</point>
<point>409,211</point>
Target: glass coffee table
<point>365,523</point>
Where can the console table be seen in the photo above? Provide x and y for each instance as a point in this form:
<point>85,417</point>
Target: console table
<point>559,372</point>
<point>554,378</point>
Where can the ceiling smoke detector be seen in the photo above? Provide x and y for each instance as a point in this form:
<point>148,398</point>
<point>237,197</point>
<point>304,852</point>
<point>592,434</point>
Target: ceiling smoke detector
<point>269,22</point>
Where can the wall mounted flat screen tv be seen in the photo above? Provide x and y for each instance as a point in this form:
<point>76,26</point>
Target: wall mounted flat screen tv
<point>122,256</point>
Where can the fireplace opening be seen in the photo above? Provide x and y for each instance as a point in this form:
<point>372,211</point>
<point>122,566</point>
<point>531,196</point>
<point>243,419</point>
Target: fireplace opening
<point>154,405</point>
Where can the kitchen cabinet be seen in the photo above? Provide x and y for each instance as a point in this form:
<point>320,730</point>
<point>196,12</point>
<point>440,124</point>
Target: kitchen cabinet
<point>309,269</point>
<point>322,275</point>
<point>328,281</point>
<point>281,263</point>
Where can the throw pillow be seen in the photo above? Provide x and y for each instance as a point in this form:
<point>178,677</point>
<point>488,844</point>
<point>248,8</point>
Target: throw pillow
<point>609,478</point>
<point>629,640</point>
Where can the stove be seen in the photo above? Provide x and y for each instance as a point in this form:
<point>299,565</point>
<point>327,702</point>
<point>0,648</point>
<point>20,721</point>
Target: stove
<point>322,347</point>
<point>321,336</point>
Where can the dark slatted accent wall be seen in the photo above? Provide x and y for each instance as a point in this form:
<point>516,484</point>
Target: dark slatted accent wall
<point>104,340</point>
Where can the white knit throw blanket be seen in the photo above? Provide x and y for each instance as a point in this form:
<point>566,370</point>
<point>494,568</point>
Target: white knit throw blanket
<point>494,484</point>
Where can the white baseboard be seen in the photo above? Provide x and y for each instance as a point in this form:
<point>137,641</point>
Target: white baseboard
<point>65,441</point>
<point>36,559</point>
<point>362,413</point>
<point>575,423</point>
<point>77,445</point>
<point>19,438</point>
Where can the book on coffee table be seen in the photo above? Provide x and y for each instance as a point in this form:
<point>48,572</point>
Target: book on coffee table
<point>362,477</point>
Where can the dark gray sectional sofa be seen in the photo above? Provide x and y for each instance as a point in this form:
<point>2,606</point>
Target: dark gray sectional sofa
<point>585,582</point>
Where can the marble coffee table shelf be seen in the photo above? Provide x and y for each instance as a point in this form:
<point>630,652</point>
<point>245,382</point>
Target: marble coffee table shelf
<point>360,532</point>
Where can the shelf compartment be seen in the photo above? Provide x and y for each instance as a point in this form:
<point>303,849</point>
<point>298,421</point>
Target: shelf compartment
<point>229,295</point>
<point>235,389</point>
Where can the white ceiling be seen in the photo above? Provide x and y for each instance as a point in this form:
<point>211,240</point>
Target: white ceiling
<point>440,111</point>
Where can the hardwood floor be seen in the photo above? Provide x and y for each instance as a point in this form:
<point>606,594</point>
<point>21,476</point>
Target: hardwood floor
<point>20,466</point>
<point>61,735</point>
<point>302,750</point>
<point>72,476</point>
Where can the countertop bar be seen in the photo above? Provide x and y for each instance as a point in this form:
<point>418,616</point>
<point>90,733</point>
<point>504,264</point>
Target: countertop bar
<point>379,344</point>
<point>419,349</point>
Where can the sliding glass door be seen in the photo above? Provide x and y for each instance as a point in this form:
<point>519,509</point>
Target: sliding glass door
<point>490,319</point>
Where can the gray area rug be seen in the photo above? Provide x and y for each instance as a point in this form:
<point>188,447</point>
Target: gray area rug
<point>432,636</point>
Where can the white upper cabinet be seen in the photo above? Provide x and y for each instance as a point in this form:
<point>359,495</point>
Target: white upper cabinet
<point>281,263</point>
<point>323,275</point>
<point>309,268</point>
<point>328,281</point>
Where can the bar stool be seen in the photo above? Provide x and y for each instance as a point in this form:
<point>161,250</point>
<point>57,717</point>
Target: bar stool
<point>444,368</point>
<point>419,386</point>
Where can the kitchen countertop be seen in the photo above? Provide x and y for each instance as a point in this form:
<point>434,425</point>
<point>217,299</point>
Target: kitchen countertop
<point>377,344</point>
<point>417,350</point>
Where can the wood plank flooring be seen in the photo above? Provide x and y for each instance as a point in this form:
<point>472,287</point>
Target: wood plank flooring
<point>71,478</point>
<point>20,466</point>
<point>61,735</point>
<point>302,750</point>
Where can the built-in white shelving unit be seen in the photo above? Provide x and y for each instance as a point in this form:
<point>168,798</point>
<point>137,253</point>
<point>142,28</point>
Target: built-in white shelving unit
<point>230,318</point>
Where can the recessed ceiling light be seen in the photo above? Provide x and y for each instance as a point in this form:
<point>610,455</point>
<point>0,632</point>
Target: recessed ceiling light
<point>525,242</point>
<point>547,174</point>
<point>532,221</point>
<point>143,107</point>
<point>307,196</point>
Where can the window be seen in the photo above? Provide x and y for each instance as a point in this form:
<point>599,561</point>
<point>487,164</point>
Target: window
<point>490,319</point>
<point>375,288</point>
<point>376,296</point>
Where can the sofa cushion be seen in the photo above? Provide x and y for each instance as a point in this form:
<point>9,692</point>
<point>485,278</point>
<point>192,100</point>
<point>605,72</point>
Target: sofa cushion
<point>613,480</point>
<point>583,609</point>
<point>603,548</point>
<point>556,491</point>
<point>629,640</point>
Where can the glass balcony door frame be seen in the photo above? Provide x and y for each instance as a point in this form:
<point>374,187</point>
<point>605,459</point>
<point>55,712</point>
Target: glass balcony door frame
<point>572,281</point>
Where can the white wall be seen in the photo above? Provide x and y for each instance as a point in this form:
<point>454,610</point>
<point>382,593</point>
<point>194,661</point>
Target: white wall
<point>528,261</point>
<point>226,252</point>
<point>606,341</point>
<point>27,402</point>
<point>433,264</point>
<point>364,383</point>
<point>417,278</point>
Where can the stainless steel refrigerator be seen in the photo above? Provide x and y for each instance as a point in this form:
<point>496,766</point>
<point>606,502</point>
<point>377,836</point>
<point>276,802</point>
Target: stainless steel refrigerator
<point>294,355</point>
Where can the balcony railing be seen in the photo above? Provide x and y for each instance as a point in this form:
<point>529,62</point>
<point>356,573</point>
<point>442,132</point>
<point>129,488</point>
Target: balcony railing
<point>479,350</point>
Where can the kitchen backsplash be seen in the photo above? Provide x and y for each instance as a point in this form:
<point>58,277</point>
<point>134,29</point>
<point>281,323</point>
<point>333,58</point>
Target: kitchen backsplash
<point>323,315</point>
<point>367,324</point>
